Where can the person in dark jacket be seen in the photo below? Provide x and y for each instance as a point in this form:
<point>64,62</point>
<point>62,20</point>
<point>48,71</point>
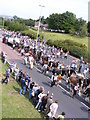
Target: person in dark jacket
<point>20,75</point>
<point>22,85</point>
<point>49,102</point>
<point>30,88</point>
<point>44,101</point>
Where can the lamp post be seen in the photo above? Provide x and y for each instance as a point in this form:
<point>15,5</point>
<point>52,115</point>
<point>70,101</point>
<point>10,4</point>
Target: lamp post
<point>3,22</point>
<point>39,23</point>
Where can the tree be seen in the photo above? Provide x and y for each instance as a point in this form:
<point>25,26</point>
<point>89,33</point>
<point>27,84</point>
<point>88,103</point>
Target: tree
<point>83,30</point>
<point>68,21</point>
<point>15,17</point>
<point>53,21</point>
<point>81,27</point>
<point>63,21</point>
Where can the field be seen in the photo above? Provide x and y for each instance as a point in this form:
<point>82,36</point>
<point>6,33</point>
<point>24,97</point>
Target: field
<point>13,105</point>
<point>61,37</point>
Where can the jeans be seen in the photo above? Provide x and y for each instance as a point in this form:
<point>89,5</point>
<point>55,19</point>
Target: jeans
<point>21,90</point>
<point>30,91</point>
<point>38,106</point>
<point>24,90</point>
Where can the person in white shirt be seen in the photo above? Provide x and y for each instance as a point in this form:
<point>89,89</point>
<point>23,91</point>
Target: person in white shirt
<point>45,66</point>
<point>53,79</point>
<point>31,59</point>
<point>16,73</point>
<point>85,72</point>
<point>75,90</point>
<point>5,58</point>
<point>40,96</point>
<point>13,66</point>
<point>58,54</point>
<point>53,109</point>
<point>25,60</point>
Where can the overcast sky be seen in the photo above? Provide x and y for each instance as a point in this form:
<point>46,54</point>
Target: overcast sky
<point>31,9</point>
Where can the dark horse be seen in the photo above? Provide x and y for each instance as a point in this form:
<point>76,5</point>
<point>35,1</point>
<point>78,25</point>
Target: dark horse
<point>63,71</point>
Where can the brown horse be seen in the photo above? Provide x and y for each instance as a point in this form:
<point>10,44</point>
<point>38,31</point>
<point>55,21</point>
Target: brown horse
<point>44,58</point>
<point>73,80</point>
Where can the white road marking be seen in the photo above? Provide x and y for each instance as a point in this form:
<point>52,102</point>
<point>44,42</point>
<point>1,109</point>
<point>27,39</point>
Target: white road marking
<point>61,87</point>
<point>37,68</point>
<point>85,105</point>
<point>48,78</point>
<point>64,89</point>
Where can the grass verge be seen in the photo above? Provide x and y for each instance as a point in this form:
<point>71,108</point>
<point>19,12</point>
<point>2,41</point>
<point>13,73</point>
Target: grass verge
<point>13,104</point>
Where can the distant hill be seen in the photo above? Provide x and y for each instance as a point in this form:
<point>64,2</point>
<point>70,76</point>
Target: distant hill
<point>6,17</point>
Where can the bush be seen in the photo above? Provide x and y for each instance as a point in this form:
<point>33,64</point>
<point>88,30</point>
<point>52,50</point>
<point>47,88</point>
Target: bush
<point>31,34</point>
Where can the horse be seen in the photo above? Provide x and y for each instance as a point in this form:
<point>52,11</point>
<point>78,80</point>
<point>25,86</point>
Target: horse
<point>63,71</point>
<point>39,55</point>
<point>73,80</point>
<point>53,64</point>
<point>44,58</point>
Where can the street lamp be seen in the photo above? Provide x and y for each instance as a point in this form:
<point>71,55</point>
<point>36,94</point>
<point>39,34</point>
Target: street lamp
<point>3,22</point>
<point>39,22</point>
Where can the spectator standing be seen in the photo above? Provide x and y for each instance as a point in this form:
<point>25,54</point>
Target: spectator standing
<point>44,101</point>
<point>30,88</point>
<point>49,102</point>
<point>16,73</point>
<point>53,109</point>
<point>5,58</point>
<point>38,106</point>
<point>22,86</point>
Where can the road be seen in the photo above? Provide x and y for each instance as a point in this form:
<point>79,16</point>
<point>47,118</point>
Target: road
<point>74,108</point>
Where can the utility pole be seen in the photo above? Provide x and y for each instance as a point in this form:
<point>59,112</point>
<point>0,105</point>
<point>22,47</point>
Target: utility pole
<point>39,23</point>
<point>3,22</point>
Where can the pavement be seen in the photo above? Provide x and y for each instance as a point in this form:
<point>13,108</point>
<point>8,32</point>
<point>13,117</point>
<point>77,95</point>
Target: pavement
<point>74,108</point>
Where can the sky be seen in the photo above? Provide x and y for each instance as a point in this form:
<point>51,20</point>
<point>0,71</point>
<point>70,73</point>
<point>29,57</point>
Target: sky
<point>31,9</point>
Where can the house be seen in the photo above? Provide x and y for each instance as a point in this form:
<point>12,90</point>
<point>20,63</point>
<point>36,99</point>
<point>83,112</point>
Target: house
<point>36,24</point>
<point>44,26</point>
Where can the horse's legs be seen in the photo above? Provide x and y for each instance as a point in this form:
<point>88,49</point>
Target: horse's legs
<point>70,86</point>
<point>79,91</point>
<point>67,82</point>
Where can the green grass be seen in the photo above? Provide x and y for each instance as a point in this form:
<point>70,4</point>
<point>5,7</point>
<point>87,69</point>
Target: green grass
<point>61,37</point>
<point>13,104</point>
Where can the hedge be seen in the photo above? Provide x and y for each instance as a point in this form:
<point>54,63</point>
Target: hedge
<point>31,34</point>
<point>76,49</point>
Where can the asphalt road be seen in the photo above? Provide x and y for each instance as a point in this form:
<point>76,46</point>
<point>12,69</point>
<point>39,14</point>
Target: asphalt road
<point>74,108</point>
